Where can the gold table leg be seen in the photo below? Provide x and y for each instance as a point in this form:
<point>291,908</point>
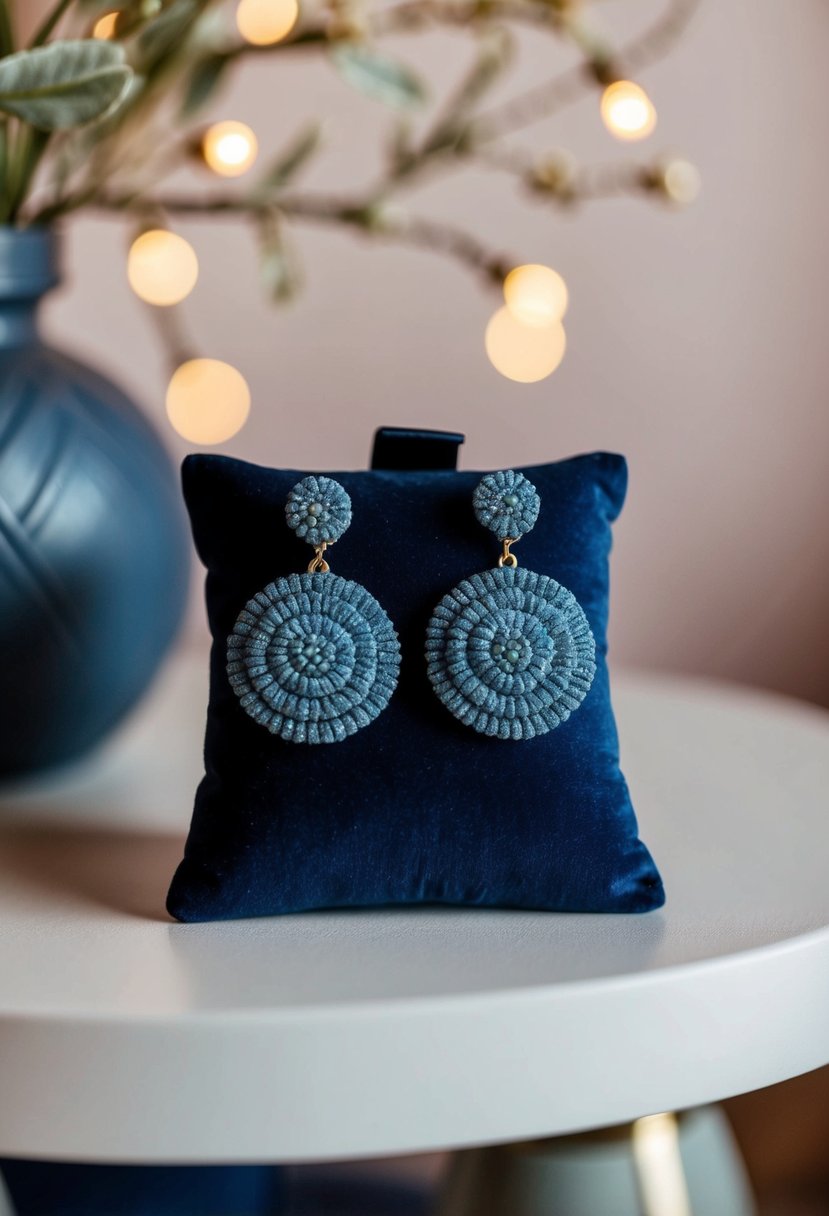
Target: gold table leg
<point>661,1165</point>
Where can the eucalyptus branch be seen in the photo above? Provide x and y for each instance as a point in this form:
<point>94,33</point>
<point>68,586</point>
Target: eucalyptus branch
<point>448,130</point>
<point>527,108</point>
<point>560,180</point>
<point>6,32</point>
<point>362,215</point>
<point>116,160</point>
<point>418,14</point>
<point>409,17</point>
<point>50,22</point>
<point>457,243</point>
<point>546,99</point>
<point>661,37</point>
<point>606,181</point>
<point>22,160</point>
<point>209,204</point>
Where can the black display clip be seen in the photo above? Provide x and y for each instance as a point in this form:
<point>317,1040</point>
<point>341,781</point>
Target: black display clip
<point>411,449</point>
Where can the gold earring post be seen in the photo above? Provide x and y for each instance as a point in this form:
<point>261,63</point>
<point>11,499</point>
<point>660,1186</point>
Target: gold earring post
<point>507,558</point>
<point>318,564</point>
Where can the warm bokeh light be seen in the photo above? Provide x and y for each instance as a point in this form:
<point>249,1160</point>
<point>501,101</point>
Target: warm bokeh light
<point>229,148</point>
<point>627,111</point>
<point>162,267</point>
<point>263,22</point>
<point>208,401</point>
<point>680,180</point>
<point>535,294</point>
<point>105,26</point>
<point>525,353</point>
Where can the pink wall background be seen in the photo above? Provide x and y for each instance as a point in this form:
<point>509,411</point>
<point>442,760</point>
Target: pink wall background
<point>697,340</point>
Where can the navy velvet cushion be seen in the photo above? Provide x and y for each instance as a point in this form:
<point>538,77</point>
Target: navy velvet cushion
<point>415,808</point>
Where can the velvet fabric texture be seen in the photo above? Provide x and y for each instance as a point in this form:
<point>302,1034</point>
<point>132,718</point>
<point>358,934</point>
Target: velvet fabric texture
<point>51,1188</point>
<point>416,808</point>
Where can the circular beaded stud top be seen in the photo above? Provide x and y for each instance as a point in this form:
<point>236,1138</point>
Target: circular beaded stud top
<point>506,503</point>
<point>318,509</point>
<point>509,652</point>
<point>313,657</point>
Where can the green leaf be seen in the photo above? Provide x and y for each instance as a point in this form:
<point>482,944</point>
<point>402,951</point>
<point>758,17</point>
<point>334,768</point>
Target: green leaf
<point>279,272</point>
<point>451,129</point>
<point>378,77</point>
<point>64,84</point>
<point>288,164</point>
<point>204,80</point>
<point>94,132</point>
<point>400,145</point>
<point>494,52</point>
<point>165,33</point>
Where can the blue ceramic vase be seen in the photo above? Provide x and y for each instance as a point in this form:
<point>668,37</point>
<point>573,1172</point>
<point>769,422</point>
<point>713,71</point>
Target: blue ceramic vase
<point>93,547</point>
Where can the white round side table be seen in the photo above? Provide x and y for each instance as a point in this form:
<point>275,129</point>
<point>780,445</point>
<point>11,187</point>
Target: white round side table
<point>125,1037</point>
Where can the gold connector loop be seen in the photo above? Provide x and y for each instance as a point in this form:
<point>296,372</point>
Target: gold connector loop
<point>318,565</point>
<point>507,558</point>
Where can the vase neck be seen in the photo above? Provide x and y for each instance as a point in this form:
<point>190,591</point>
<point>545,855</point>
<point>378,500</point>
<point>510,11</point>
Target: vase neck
<point>28,269</point>
<point>18,323</point>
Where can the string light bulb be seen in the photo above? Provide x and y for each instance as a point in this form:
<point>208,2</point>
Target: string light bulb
<point>208,401</point>
<point>162,268</point>
<point>524,353</point>
<point>679,180</point>
<point>229,148</point>
<point>106,26</point>
<point>627,111</point>
<point>264,22</point>
<point>536,295</point>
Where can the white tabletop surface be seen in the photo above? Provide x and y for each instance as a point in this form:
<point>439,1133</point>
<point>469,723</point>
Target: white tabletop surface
<point>124,1036</point>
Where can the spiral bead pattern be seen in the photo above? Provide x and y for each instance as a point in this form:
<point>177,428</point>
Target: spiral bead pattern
<point>507,503</point>
<point>318,509</point>
<point>510,653</point>
<point>313,658</point>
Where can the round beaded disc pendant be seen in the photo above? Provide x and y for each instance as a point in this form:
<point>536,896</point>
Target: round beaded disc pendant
<point>510,653</point>
<point>313,658</point>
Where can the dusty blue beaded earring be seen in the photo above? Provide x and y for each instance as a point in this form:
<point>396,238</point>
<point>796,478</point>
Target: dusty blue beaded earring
<point>313,657</point>
<point>509,652</point>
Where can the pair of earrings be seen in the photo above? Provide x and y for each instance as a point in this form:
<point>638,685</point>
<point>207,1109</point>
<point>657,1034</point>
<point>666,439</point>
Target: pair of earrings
<point>314,657</point>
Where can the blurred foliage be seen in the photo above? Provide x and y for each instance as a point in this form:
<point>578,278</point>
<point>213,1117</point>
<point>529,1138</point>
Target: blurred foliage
<point>92,122</point>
